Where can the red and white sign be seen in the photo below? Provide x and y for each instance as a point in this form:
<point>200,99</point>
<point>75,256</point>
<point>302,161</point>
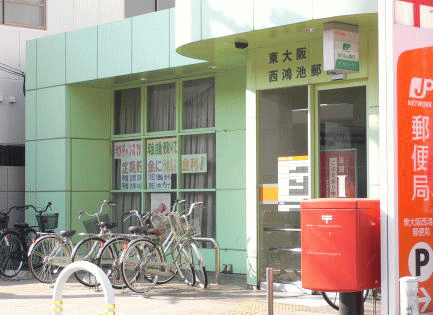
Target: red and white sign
<point>338,173</point>
<point>415,169</point>
<point>415,13</point>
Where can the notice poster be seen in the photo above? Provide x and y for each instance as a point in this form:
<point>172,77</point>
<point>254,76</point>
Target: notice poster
<point>161,162</point>
<point>338,173</point>
<point>194,163</point>
<point>293,182</point>
<point>130,154</point>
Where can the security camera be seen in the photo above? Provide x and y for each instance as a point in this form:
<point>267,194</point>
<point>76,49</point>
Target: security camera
<point>241,45</point>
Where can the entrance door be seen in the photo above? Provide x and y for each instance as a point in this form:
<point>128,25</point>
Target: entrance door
<point>342,142</point>
<point>284,164</point>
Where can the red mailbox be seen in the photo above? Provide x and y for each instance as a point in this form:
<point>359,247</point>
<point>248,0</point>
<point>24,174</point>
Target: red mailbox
<point>340,240</point>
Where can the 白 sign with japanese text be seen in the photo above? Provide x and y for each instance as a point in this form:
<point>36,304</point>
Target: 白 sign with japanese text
<point>130,154</point>
<point>161,162</point>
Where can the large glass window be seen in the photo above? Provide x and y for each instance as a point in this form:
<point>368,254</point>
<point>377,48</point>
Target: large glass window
<point>199,103</point>
<point>343,157</point>
<point>139,7</point>
<point>170,158</point>
<point>24,13</point>
<point>127,111</point>
<point>161,106</point>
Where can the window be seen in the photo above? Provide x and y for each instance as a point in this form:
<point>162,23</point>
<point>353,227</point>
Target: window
<point>161,105</point>
<point>199,103</point>
<point>173,156</point>
<point>12,155</point>
<point>127,111</point>
<point>23,13</point>
<point>139,7</point>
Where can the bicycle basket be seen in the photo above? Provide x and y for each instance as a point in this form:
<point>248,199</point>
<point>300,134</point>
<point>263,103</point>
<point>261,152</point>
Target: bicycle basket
<point>91,225</point>
<point>48,221</point>
<point>181,226</point>
<point>4,221</point>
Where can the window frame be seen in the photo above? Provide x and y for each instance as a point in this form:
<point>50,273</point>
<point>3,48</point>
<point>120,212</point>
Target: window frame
<point>179,133</point>
<point>26,3</point>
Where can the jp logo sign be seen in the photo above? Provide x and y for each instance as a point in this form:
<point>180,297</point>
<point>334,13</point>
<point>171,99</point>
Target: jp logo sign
<point>419,87</point>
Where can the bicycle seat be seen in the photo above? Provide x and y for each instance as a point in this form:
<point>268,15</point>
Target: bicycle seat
<point>68,233</point>
<point>108,225</point>
<point>21,226</point>
<point>137,229</point>
<point>154,231</point>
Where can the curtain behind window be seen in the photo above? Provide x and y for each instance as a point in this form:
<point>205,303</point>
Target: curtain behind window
<point>25,14</point>
<point>127,111</point>
<point>199,103</point>
<point>125,202</point>
<point>161,107</point>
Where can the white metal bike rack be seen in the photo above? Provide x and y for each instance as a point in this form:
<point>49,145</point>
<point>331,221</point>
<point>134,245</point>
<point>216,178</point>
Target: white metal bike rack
<point>94,270</point>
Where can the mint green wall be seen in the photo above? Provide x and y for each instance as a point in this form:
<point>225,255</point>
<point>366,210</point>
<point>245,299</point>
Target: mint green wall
<point>50,57</point>
<point>51,112</point>
<point>31,65</point>
<point>81,55</point>
<point>230,179</point>
<point>151,40</point>
<point>214,18</point>
<point>114,48</point>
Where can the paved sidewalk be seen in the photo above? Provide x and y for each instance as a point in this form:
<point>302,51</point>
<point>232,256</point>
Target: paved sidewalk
<point>27,296</point>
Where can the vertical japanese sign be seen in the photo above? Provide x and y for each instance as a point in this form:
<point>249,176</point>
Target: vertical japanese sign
<point>293,182</point>
<point>130,154</point>
<point>415,169</point>
<point>338,173</point>
<point>161,162</point>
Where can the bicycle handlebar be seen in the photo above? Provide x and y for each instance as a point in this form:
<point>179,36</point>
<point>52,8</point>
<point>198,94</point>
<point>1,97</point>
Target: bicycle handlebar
<point>27,207</point>
<point>192,206</point>
<point>96,214</point>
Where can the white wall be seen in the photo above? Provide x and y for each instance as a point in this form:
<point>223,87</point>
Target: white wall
<point>62,16</point>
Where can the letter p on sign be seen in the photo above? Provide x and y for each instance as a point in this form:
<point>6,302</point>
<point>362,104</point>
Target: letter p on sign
<point>420,261</point>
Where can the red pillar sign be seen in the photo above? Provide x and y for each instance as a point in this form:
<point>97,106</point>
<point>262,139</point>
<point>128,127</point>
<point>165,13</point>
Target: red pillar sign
<point>415,169</point>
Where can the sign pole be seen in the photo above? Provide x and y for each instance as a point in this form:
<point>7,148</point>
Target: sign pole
<point>388,158</point>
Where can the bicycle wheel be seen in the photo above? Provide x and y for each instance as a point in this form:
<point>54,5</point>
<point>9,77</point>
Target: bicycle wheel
<point>333,298</point>
<point>185,264</point>
<point>140,264</point>
<point>47,258</point>
<point>199,267</point>
<point>30,236</point>
<point>11,254</point>
<point>87,250</point>
<point>108,260</point>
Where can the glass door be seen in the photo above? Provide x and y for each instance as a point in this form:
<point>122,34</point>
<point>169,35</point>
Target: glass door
<point>342,149</point>
<point>284,178</point>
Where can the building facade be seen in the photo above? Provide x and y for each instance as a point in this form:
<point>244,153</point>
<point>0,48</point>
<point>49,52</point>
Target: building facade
<point>233,105</point>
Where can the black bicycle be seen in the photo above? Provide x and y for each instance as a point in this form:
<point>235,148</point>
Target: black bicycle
<point>15,242</point>
<point>333,298</point>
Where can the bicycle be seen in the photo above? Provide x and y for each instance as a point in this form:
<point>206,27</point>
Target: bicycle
<point>333,298</point>
<point>146,260</point>
<point>88,248</point>
<point>108,257</point>
<point>14,243</point>
<point>52,252</point>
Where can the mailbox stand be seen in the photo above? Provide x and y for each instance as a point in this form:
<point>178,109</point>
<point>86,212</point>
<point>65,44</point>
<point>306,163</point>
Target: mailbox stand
<point>351,303</point>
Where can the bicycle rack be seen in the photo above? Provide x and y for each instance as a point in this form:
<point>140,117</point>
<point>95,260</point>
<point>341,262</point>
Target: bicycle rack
<point>217,255</point>
<point>89,267</point>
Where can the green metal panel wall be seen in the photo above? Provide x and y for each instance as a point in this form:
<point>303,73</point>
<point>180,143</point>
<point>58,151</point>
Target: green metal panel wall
<point>150,41</point>
<point>51,112</point>
<point>31,65</point>
<point>51,58</point>
<point>114,48</point>
<point>82,55</point>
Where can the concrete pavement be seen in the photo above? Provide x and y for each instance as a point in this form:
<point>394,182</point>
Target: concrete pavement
<point>28,296</point>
